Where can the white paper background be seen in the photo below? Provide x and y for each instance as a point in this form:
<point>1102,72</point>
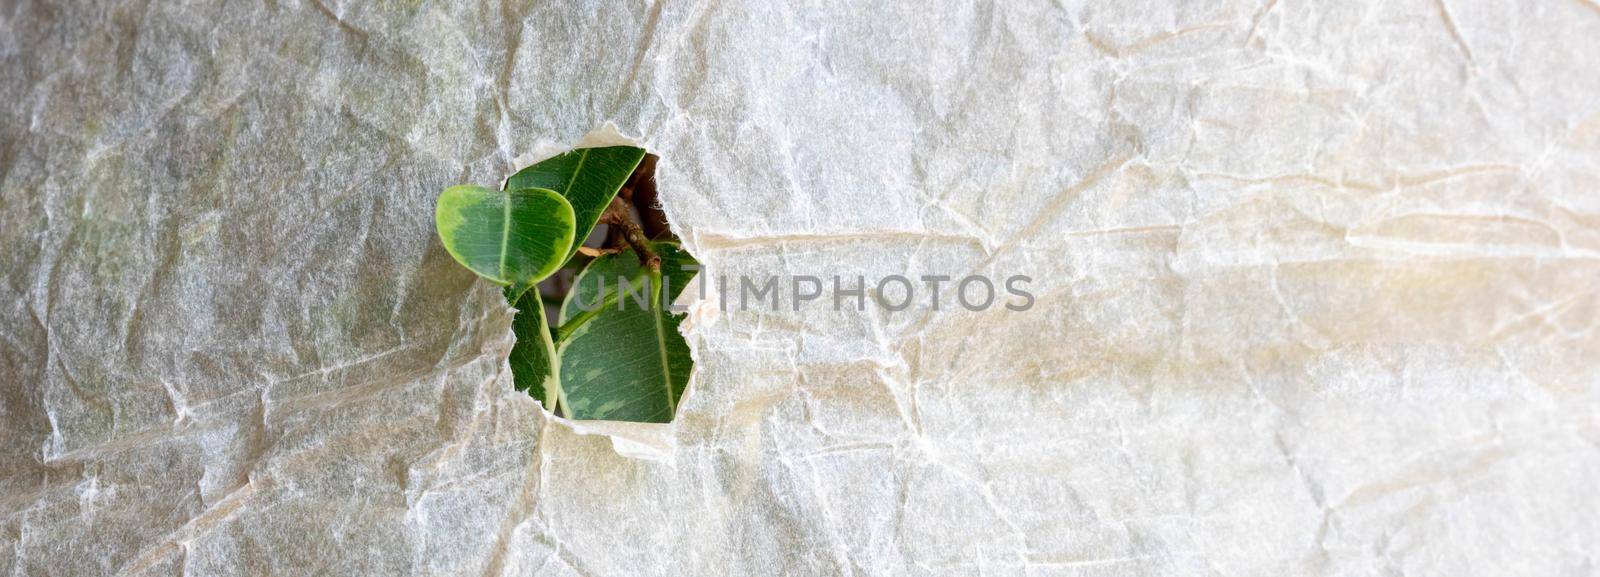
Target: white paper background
<point>1317,289</point>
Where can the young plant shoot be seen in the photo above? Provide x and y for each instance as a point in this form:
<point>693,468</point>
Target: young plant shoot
<point>616,353</point>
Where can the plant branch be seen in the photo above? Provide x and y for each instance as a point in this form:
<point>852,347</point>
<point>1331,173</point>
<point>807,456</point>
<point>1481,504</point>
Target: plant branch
<point>620,214</point>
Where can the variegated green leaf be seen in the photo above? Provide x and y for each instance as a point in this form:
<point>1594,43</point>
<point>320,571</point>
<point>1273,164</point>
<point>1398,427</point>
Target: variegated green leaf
<point>533,357</point>
<point>515,237</point>
<point>627,362</point>
<point>588,177</point>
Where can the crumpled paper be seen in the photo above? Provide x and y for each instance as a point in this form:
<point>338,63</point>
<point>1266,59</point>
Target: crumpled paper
<point>1316,289</point>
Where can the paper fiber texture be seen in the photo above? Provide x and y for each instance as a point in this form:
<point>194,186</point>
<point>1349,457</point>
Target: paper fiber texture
<point>1316,289</point>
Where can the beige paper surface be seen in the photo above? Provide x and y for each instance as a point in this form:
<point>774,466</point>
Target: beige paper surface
<point>1316,289</point>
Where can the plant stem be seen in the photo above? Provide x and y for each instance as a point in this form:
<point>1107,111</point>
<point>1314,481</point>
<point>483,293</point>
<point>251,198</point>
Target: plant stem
<point>563,332</point>
<point>620,214</point>
<point>572,325</point>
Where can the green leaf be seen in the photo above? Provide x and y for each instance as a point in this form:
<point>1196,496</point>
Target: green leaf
<point>588,177</point>
<point>533,357</point>
<point>627,363</point>
<point>514,237</point>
